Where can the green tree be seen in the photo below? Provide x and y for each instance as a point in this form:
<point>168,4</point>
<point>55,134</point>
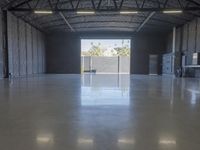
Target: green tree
<point>95,50</point>
<point>123,51</point>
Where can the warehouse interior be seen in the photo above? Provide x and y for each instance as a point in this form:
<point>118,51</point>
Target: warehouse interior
<point>46,102</point>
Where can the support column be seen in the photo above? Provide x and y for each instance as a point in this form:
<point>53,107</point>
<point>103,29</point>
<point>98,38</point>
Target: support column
<point>173,50</point>
<point>118,67</point>
<point>90,64</point>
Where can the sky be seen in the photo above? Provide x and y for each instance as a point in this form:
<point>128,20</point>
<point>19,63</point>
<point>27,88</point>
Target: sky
<point>105,43</point>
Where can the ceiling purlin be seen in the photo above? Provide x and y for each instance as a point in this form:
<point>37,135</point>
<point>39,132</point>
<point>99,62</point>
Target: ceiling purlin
<point>89,23</point>
<point>47,20</point>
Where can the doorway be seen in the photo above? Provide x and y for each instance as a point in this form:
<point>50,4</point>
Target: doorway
<point>105,56</point>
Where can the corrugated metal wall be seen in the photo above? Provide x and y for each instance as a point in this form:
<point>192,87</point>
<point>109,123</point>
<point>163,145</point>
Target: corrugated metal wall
<point>192,36</point>
<point>26,48</point>
<point>29,49</point>
<point>190,39</point>
<point>187,40</point>
<point>198,35</point>
<point>103,64</point>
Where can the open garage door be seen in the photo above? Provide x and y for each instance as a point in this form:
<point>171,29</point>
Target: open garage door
<point>105,56</point>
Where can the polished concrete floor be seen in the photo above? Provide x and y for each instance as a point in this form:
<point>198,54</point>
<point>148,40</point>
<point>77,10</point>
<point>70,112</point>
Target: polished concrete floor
<point>99,112</point>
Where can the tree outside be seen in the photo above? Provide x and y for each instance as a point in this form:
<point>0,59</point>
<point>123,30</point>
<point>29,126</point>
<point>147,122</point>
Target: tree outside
<point>123,51</point>
<point>98,50</point>
<point>95,50</point>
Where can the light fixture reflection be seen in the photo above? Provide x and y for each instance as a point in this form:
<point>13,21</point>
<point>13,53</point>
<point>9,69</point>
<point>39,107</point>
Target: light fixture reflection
<point>167,141</point>
<point>194,91</point>
<point>44,139</point>
<point>194,94</point>
<point>126,141</point>
<point>104,96</point>
<point>85,141</point>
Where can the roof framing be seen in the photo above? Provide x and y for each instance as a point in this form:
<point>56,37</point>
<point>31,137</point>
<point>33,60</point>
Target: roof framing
<point>106,11</point>
<point>96,5</point>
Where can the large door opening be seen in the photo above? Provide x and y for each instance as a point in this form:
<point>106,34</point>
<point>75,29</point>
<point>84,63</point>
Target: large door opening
<point>105,56</point>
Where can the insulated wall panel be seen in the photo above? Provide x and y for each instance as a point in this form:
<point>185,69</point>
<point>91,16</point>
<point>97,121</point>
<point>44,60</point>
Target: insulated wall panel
<point>178,39</point>
<point>63,54</point>
<point>22,47</point>
<point>39,52</point>
<point>185,38</point>
<point>169,42</point>
<point>198,36</point>
<point>10,41</point>
<point>29,49</point>
<point>35,54</point>
<point>192,36</point>
<point>43,54</point>
<point>15,47</point>
<point>25,47</point>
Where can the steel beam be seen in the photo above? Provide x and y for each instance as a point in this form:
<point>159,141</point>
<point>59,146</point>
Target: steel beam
<point>21,4</point>
<point>62,25</point>
<point>16,5</point>
<point>12,6</point>
<point>8,4</point>
<point>145,21</point>
<point>194,2</point>
<point>121,4</point>
<point>66,21</point>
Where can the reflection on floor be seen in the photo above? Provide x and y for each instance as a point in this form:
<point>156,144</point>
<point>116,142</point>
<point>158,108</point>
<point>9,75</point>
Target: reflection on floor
<point>95,91</point>
<point>99,112</point>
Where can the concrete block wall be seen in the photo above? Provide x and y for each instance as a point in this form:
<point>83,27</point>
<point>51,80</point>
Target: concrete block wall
<point>103,64</point>
<point>124,64</point>
<point>26,48</point>
<point>85,62</point>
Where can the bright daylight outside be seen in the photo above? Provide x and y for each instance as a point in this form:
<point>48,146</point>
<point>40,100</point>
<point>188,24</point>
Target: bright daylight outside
<point>105,56</point>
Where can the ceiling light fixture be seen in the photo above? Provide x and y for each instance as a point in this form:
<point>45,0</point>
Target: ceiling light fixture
<point>85,12</point>
<point>43,12</point>
<point>172,11</point>
<point>128,12</point>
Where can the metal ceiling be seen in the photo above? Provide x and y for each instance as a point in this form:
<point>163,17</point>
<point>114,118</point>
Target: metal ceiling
<point>107,17</point>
